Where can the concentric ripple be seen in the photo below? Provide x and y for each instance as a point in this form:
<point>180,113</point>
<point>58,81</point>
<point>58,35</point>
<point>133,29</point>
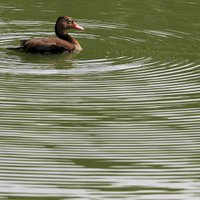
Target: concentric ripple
<point>118,121</point>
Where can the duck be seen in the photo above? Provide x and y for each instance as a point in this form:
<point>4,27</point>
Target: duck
<point>63,43</point>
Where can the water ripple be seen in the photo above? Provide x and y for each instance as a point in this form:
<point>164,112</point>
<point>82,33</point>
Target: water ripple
<point>121,123</point>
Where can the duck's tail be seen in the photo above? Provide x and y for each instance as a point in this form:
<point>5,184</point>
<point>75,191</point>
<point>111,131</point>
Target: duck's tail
<point>20,48</point>
<point>15,48</point>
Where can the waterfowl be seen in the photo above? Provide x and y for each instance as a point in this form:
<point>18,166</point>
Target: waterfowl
<point>60,44</point>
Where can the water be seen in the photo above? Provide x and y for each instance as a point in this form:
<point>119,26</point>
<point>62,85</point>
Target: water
<point>120,120</point>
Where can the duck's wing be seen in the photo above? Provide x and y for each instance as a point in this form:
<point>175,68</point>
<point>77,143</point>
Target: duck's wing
<point>43,45</point>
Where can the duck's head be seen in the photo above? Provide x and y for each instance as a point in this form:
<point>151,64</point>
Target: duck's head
<point>64,23</point>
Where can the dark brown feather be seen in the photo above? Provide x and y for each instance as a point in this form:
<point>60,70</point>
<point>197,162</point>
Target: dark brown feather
<point>45,45</point>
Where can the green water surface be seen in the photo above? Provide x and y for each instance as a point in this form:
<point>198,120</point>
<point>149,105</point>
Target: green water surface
<point>119,120</point>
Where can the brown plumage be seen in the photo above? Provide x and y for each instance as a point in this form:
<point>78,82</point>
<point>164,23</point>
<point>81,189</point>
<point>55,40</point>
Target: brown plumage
<point>62,43</point>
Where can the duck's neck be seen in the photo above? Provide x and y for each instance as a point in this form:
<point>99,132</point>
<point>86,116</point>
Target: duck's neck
<point>65,36</point>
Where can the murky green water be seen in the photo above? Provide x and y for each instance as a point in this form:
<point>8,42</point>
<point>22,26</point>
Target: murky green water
<point>120,120</point>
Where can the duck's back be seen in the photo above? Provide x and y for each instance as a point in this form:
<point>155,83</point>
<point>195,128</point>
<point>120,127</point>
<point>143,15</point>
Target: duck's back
<point>47,45</point>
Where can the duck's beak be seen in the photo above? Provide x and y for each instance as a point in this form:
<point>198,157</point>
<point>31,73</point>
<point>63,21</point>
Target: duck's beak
<point>77,27</point>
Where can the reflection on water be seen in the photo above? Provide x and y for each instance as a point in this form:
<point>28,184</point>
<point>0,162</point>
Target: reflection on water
<point>120,120</point>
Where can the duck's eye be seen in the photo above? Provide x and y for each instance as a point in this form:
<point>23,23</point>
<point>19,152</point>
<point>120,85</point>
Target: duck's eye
<point>69,21</point>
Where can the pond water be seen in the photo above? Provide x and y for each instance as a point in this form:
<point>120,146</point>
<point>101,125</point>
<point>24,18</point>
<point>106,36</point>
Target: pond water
<point>119,120</point>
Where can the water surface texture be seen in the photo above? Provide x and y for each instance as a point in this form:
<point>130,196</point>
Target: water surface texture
<point>120,120</point>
